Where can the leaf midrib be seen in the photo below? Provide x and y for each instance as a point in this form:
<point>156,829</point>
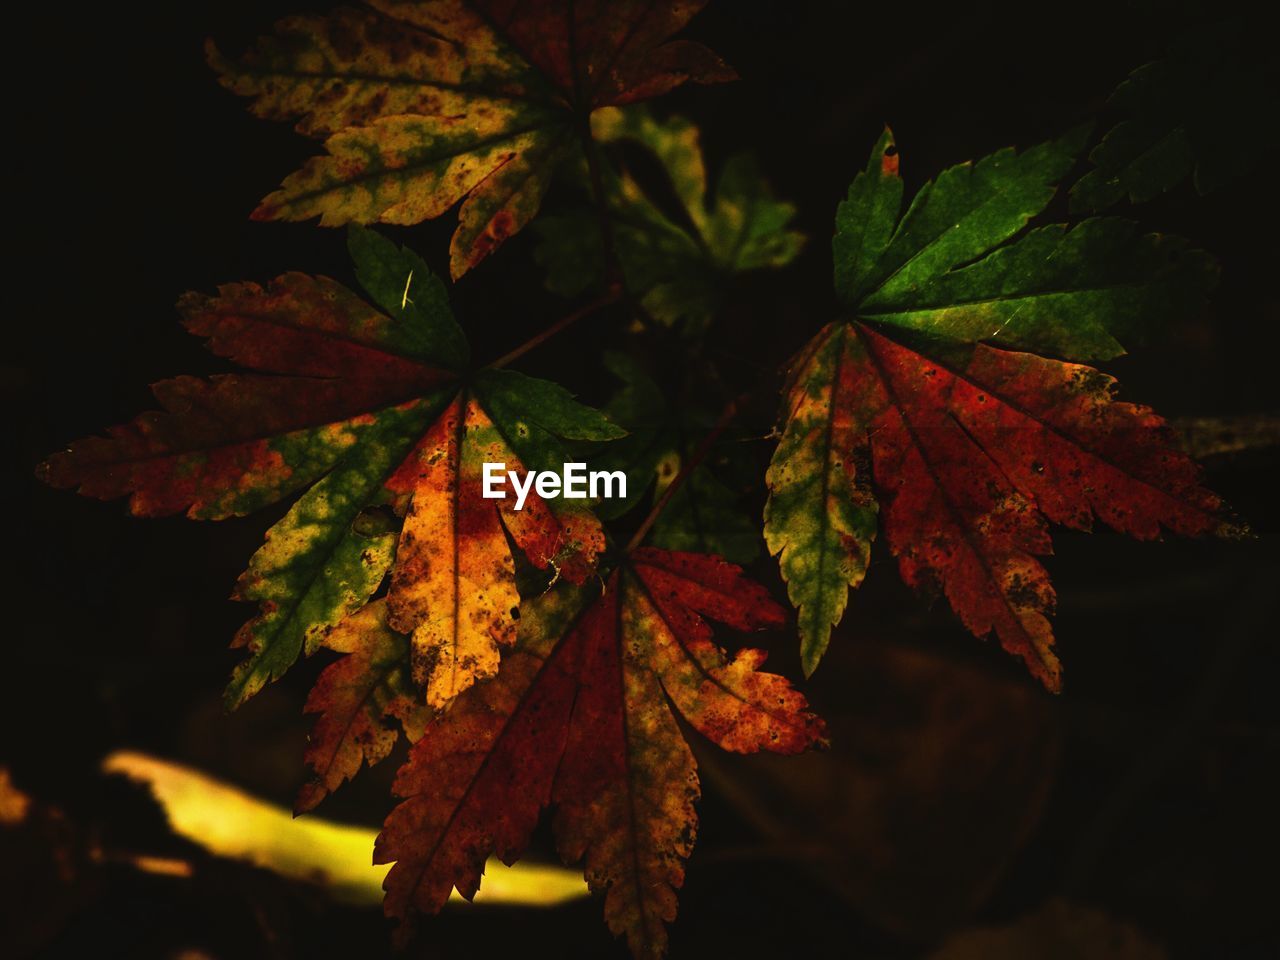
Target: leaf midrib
<point>891,308</point>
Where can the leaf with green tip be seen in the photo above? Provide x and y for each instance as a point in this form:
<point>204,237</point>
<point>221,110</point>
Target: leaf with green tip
<point>425,103</point>
<point>865,220</point>
<point>1110,281</point>
<point>962,214</point>
<point>965,450</point>
<point>820,518</point>
<point>317,565</point>
<point>372,417</point>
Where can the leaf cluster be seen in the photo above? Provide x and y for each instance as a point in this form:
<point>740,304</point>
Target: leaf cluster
<point>531,659</point>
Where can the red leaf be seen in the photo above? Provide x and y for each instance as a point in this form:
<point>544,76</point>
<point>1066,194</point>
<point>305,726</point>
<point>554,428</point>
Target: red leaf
<point>580,718</point>
<point>971,460</point>
<point>361,701</point>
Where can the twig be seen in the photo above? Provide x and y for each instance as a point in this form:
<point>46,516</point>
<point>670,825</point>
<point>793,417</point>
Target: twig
<point>613,277</point>
<point>1214,436</point>
<point>615,280</point>
<point>561,324</point>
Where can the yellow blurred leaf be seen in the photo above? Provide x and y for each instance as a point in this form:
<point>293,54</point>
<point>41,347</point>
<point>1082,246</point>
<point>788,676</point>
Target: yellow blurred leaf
<point>231,823</point>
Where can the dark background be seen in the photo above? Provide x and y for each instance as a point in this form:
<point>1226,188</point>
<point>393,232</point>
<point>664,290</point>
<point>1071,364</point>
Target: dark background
<point>957,792</point>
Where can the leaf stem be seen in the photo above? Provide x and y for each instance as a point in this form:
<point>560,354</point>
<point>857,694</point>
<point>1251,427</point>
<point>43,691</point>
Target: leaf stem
<point>700,454</point>
<point>615,280</point>
<point>562,324</point>
<point>613,277</point>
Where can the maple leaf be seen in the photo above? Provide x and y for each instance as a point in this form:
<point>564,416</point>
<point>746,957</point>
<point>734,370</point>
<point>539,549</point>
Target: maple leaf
<point>360,700</point>
<point>970,450</point>
<point>426,103</point>
<point>1217,79</point>
<point>582,718</point>
<point>677,264</point>
<point>704,514</point>
<point>377,416</point>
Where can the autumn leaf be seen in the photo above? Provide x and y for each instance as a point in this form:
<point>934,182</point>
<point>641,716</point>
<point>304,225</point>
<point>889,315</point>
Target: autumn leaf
<point>375,416</point>
<point>677,263</point>
<point>582,717</point>
<point>967,449</point>
<point>1201,111</point>
<point>425,103</point>
<point>361,701</point>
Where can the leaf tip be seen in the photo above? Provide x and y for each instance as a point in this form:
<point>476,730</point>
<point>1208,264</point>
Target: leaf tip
<point>244,683</point>
<point>810,657</point>
<point>1074,140</point>
<point>884,158</point>
<point>357,234</point>
<point>308,798</point>
<point>459,263</point>
<point>265,211</point>
<point>214,57</point>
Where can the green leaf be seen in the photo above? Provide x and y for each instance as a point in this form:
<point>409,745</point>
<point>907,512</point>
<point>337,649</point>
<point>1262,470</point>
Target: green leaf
<point>1207,110</point>
<point>677,261</point>
<point>401,283</point>
<point>535,415</point>
<point>820,518</point>
<point>950,270</point>
<point>1072,292</point>
<point>969,209</point>
<point>705,516</point>
<point>955,270</point>
<point>866,218</point>
<point>644,453</point>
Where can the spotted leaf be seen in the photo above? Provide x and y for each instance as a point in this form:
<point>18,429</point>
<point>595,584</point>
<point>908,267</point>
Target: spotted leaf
<point>912,415</point>
<point>362,701</point>
<point>677,262</point>
<point>582,718</point>
<point>371,414</point>
<point>429,102</point>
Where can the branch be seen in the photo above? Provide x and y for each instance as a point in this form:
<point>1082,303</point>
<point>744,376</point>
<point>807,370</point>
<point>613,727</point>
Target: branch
<point>563,323</point>
<point>613,278</point>
<point>1215,436</point>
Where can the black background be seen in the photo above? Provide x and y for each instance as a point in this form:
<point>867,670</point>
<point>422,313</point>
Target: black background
<point>133,177</point>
